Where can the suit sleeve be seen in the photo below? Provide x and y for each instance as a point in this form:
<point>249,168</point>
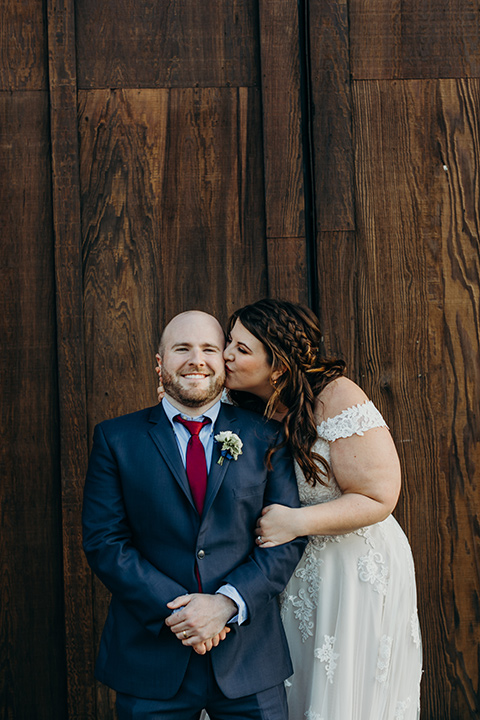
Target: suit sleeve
<point>108,546</point>
<point>268,570</point>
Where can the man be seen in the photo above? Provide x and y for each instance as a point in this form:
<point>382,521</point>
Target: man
<point>179,558</point>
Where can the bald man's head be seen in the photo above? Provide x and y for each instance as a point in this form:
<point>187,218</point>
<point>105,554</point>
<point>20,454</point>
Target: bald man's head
<point>191,351</point>
<point>185,320</point>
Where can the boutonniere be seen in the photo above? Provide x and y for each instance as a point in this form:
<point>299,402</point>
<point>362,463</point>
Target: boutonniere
<point>231,447</point>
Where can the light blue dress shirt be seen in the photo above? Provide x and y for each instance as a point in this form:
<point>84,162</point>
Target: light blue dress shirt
<point>206,436</point>
<point>182,434</point>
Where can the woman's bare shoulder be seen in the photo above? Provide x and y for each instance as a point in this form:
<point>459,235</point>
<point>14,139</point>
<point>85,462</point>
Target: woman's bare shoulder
<point>338,395</point>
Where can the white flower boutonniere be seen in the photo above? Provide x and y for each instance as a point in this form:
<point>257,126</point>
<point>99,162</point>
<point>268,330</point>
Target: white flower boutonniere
<point>231,447</point>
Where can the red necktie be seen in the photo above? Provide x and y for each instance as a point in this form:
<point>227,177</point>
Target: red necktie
<point>196,462</point>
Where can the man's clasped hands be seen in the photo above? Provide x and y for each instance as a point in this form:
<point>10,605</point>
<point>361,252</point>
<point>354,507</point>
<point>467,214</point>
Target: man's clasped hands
<point>200,620</point>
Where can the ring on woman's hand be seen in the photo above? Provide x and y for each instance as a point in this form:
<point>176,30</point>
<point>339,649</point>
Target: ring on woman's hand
<point>259,538</point>
<point>184,633</point>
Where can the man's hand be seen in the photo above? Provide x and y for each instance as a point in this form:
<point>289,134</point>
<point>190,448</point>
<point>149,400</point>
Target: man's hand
<point>206,646</point>
<point>200,617</point>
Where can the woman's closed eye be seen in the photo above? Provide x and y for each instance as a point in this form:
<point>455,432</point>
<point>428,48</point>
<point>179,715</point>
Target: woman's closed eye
<point>238,347</point>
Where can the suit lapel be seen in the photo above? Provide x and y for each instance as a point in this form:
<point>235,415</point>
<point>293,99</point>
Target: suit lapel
<point>227,420</point>
<point>164,438</point>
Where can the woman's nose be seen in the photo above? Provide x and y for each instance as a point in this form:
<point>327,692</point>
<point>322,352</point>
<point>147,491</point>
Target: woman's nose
<point>227,353</point>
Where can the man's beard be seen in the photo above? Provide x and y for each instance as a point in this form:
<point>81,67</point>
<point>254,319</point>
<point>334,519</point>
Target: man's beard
<point>192,397</point>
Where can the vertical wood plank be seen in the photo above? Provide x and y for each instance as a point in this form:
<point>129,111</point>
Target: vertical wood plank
<point>123,137</point>
<point>457,106</point>
<point>180,43</point>
<point>288,275</point>
<point>23,52</point>
<point>332,115</point>
<point>397,237</point>
<point>31,604</point>
<point>70,352</point>
<point>411,39</point>
<point>418,321</point>
<point>283,153</point>
<point>337,289</point>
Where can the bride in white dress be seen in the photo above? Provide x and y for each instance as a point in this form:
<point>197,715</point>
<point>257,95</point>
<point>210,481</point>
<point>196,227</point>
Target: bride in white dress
<point>350,609</point>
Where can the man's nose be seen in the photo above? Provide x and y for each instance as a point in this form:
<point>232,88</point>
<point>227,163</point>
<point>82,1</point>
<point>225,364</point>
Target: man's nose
<point>197,357</point>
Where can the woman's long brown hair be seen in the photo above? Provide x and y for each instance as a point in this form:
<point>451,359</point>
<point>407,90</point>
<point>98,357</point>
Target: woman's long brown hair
<point>292,338</point>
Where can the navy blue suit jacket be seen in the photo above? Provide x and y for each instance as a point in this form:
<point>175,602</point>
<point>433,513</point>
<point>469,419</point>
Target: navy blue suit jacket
<point>143,534</point>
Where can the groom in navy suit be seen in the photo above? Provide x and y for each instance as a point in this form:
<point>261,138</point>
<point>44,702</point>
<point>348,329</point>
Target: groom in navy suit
<point>180,558</point>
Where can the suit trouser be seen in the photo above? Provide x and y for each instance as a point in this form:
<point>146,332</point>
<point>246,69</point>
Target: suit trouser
<point>199,690</point>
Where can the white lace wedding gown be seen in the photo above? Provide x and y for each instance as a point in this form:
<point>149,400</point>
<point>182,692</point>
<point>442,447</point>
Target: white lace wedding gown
<point>350,610</point>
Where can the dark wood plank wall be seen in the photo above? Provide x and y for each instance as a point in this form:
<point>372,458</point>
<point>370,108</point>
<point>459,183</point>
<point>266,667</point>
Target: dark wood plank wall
<point>171,155</point>
<point>399,291</point>
<point>287,254</point>
<point>70,351</point>
<point>32,667</point>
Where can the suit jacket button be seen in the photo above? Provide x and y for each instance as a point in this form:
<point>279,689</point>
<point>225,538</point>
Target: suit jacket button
<point>201,554</point>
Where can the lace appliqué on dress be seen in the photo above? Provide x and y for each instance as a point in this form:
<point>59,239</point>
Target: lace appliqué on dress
<point>312,715</point>
<point>383,662</point>
<point>354,420</point>
<point>305,603</point>
<point>415,629</point>
<point>372,569</point>
<point>326,655</point>
<point>401,708</point>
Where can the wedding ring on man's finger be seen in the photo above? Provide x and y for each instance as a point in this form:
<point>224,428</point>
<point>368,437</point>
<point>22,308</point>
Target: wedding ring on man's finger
<point>184,633</point>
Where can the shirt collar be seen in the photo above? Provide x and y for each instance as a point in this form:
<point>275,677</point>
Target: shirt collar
<point>171,411</point>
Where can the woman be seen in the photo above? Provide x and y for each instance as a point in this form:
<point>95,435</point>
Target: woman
<point>350,608</point>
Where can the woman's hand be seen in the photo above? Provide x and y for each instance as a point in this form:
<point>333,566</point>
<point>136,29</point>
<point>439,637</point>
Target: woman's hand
<point>276,526</point>
<point>158,370</point>
<point>206,646</point>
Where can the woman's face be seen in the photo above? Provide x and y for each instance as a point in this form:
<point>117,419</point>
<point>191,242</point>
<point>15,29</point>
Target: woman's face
<point>246,363</point>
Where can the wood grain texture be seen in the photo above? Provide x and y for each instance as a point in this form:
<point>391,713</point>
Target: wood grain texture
<point>179,43</point>
<point>459,144</point>
<point>411,39</point>
<point>31,605</point>
<point>282,132</point>
<point>172,213</point>
<point>287,269</point>
<point>70,353</point>
<point>23,47</point>
<point>337,290</point>
<point>418,215</point>
<point>328,28</point>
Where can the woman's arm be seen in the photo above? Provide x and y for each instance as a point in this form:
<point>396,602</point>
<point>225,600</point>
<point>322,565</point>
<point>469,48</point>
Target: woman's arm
<point>366,469</point>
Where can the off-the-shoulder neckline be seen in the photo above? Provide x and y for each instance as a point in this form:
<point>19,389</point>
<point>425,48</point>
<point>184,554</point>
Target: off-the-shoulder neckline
<point>345,411</point>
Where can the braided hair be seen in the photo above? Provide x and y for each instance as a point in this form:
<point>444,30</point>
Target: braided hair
<point>292,338</point>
